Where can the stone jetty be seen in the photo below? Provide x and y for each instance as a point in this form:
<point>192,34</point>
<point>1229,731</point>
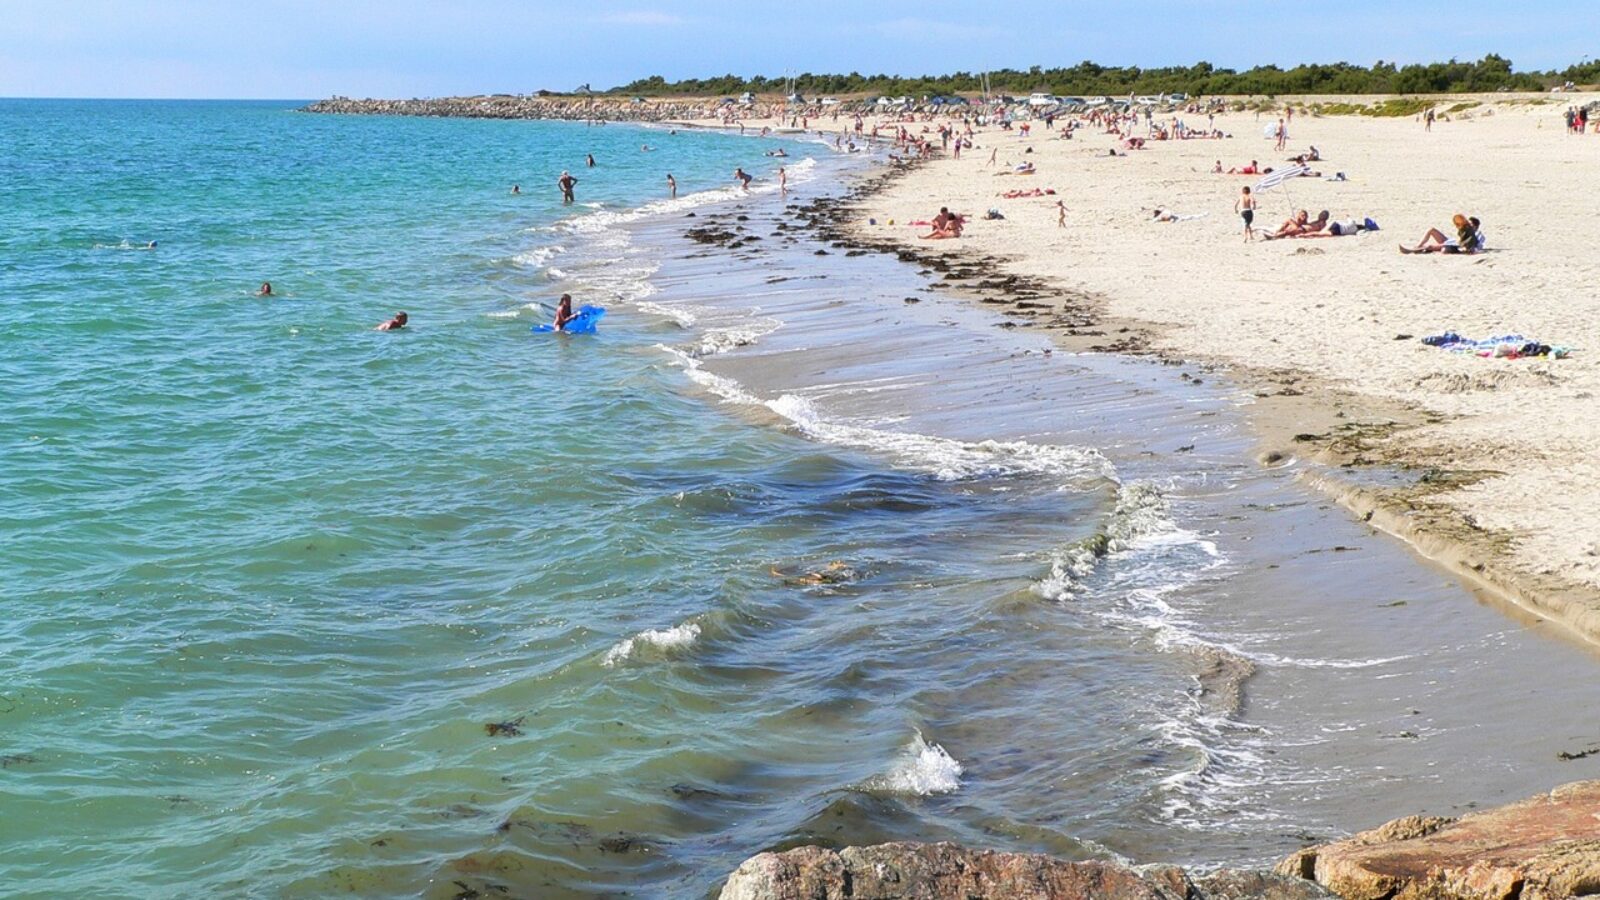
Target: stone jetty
<point>534,106</point>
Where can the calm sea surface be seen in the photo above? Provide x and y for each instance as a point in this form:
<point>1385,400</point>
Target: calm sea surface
<point>291,607</point>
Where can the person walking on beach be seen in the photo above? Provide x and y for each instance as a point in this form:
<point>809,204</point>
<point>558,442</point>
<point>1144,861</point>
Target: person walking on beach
<point>1427,120</point>
<point>783,182</point>
<point>567,183</point>
<point>1283,135</point>
<point>1061,214</point>
<point>1245,206</point>
<point>672,186</point>
<point>743,177</point>
<point>992,154</point>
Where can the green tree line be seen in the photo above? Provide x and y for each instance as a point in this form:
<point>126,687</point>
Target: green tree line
<point>1492,73</point>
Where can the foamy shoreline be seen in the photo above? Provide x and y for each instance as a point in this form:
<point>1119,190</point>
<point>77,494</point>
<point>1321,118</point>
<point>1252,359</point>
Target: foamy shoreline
<point>1505,485</point>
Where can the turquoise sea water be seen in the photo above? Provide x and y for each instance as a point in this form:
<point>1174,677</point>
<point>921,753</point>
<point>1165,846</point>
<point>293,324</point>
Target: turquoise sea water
<point>290,607</point>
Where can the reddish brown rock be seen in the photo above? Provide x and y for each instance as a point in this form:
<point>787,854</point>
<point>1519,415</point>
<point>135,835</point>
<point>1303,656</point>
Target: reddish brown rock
<point>1542,848</point>
<point>906,871</point>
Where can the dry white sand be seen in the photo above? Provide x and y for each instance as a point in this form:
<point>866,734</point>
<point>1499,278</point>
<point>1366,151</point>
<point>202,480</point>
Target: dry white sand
<point>1330,310</point>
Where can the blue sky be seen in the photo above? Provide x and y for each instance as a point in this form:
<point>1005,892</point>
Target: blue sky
<point>402,48</point>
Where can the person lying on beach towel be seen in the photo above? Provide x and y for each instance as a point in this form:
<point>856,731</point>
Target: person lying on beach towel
<point>1253,169</point>
<point>1342,229</point>
<point>1036,192</point>
<point>1469,238</point>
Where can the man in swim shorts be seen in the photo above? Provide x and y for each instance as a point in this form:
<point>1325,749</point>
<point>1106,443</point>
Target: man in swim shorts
<point>1245,206</point>
<point>567,183</point>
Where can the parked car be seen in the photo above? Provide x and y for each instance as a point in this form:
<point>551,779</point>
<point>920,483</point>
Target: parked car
<point>830,101</point>
<point>1040,98</point>
<point>747,98</point>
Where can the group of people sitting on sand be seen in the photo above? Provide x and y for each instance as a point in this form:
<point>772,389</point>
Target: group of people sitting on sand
<point>1469,238</point>
<point>945,225</point>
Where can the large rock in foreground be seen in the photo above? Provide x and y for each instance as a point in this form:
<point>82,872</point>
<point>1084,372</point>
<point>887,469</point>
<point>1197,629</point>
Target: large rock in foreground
<point>1544,847</point>
<point>906,871</point>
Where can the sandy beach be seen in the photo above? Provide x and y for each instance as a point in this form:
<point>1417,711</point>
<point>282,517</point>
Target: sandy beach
<point>1325,333</point>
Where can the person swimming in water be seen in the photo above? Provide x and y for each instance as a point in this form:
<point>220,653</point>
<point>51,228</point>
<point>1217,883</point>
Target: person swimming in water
<point>516,189</point>
<point>266,289</point>
<point>564,312</point>
<point>394,324</point>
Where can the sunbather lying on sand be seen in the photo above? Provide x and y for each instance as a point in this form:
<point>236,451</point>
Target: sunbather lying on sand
<point>1469,238</point>
<point>1301,225</point>
<point>1340,229</point>
<point>1036,192</point>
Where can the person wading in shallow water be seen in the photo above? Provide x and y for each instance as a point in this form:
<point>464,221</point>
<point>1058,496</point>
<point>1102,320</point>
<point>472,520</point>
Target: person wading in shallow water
<point>564,312</point>
<point>567,183</point>
<point>672,185</point>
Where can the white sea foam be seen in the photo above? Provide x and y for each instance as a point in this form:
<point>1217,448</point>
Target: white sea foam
<point>538,256</point>
<point>946,458</point>
<point>1141,520</point>
<point>667,639</point>
<point>596,222</point>
<point>678,313</point>
<point>728,337</point>
<point>920,770</point>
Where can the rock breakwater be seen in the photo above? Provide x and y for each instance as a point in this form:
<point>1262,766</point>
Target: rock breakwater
<point>533,106</point>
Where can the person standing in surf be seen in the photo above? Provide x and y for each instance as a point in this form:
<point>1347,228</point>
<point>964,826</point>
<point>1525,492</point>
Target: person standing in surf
<point>672,186</point>
<point>564,312</point>
<point>567,183</point>
<point>743,177</point>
